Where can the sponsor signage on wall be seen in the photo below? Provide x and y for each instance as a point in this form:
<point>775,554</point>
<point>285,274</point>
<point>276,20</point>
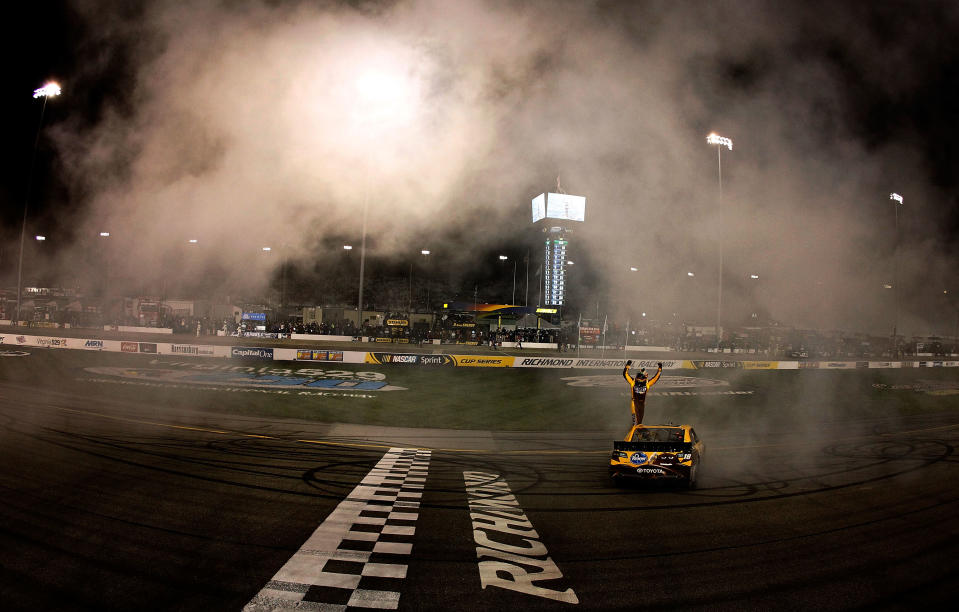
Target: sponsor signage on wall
<point>313,355</point>
<point>599,364</point>
<point>717,364</point>
<point>482,361</point>
<point>251,352</point>
<point>760,365</point>
<point>406,359</point>
<point>191,349</point>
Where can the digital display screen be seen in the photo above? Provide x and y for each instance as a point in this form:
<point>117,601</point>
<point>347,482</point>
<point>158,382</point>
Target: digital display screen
<point>539,207</point>
<point>555,272</point>
<point>565,206</point>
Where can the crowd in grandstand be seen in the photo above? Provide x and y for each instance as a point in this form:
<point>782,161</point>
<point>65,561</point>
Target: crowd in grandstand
<point>769,341</point>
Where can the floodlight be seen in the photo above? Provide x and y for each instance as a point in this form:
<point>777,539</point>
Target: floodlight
<point>716,139</point>
<point>47,91</point>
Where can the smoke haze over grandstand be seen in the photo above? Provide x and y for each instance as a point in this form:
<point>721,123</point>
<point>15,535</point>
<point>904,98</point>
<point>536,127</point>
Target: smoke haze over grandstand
<point>250,124</point>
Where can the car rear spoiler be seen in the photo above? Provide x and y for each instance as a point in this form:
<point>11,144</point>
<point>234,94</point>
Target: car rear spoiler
<point>653,447</point>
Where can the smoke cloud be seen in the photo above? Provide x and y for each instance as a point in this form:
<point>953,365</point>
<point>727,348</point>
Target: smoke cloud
<point>251,124</point>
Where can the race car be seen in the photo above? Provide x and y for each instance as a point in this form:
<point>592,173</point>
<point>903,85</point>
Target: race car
<point>657,452</point>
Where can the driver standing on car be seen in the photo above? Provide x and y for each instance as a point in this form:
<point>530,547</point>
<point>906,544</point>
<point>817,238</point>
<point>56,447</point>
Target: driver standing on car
<point>637,389</point>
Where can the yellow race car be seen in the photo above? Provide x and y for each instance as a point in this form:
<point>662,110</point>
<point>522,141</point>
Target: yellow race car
<point>657,452</point>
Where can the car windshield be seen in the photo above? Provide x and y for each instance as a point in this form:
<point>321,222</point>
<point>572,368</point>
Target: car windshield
<point>658,434</point>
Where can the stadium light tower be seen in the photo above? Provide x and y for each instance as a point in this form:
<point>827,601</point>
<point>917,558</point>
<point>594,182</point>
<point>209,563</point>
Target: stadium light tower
<point>897,202</point>
<point>49,90</point>
<point>720,142</point>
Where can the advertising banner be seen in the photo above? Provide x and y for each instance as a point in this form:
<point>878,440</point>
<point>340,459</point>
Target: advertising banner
<point>318,355</point>
<point>251,352</point>
<point>129,347</point>
<point>148,347</point>
<point>482,361</point>
<point>304,354</point>
<point>760,365</point>
<point>716,364</point>
<point>198,350</point>
<point>409,359</point>
<point>598,364</point>
<point>92,345</point>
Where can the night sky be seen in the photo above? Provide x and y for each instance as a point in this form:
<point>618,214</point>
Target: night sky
<point>201,119</point>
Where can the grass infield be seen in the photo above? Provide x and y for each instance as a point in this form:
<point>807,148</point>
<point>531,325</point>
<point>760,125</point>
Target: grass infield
<point>487,399</point>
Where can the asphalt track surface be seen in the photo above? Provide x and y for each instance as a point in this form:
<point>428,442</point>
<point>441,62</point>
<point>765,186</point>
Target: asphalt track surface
<point>113,504</point>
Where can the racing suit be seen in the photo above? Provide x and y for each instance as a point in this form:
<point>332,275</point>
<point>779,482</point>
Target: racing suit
<point>637,391</point>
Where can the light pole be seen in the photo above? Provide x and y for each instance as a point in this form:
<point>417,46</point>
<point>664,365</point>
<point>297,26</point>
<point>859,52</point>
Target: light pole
<point>720,142</point>
<point>268,252</point>
<point>359,298</point>
<point>505,258</point>
<point>897,202</point>
<point>47,91</point>
<point>426,255</point>
<point>106,289</point>
<point>526,260</point>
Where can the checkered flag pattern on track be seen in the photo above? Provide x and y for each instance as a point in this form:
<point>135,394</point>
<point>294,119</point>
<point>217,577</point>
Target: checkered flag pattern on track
<point>356,559</point>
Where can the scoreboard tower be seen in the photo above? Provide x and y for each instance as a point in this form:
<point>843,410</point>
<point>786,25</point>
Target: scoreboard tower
<point>557,213</point>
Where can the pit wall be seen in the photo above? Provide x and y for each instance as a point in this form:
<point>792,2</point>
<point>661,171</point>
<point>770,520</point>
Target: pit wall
<point>427,359</point>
